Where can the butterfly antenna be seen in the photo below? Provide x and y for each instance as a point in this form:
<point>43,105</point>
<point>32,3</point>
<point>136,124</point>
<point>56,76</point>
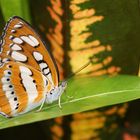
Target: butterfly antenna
<point>80,69</point>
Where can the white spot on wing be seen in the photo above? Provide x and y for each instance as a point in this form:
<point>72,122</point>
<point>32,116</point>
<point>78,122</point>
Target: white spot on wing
<point>13,103</point>
<point>30,87</point>
<point>17,40</point>
<point>11,44</point>
<point>13,31</point>
<point>6,87</point>
<point>11,37</point>
<point>46,71</point>
<point>34,40</point>
<point>24,69</point>
<point>43,65</point>
<point>45,80</point>
<point>16,47</point>
<point>5,60</point>
<point>17,26</point>
<point>31,91</point>
<point>50,77</point>
<point>18,56</point>
<point>20,23</point>
<point>8,52</point>
<point>5,80</point>
<point>8,94</point>
<point>38,56</point>
<point>28,40</point>
<point>7,73</point>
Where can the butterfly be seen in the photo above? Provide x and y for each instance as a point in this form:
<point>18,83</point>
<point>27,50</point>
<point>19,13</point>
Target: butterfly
<point>28,73</point>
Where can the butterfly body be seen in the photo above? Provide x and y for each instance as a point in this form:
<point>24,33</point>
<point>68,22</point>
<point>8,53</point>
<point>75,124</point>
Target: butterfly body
<point>28,74</point>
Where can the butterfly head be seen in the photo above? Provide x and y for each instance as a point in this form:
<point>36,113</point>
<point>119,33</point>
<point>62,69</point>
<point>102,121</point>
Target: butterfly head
<point>56,92</point>
<point>61,88</point>
<point>63,84</point>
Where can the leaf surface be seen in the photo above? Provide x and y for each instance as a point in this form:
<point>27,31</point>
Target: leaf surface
<point>86,94</point>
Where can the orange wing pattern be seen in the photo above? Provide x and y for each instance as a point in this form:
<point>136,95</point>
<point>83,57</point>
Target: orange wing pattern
<point>21,43</point>
<point>22,88</point>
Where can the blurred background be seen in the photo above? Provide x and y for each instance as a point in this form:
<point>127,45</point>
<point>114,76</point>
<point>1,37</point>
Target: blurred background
<point>106,31</point>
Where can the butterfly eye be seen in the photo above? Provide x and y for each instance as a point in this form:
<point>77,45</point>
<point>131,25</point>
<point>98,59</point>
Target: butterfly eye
<point>5,80</point>
<point>7,72</point>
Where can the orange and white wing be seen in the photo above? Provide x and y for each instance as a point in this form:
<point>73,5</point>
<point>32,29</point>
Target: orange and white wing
<point>21,43</point>
<point>22,88</point>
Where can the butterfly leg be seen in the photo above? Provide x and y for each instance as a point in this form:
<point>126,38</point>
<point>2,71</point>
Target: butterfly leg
<point>41,106</point>
<point>59,99</point>
<point>59,102</point>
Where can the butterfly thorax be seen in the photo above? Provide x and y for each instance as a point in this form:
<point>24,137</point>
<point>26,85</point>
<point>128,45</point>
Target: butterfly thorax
<point>56,92</point>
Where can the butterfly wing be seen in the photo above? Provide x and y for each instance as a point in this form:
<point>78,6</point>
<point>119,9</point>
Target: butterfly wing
<point>21,43</point>
<point>22,88</point>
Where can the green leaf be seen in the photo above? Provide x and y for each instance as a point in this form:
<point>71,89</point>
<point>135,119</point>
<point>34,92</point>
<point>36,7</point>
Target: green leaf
<point>15,8</point>
<point>87,93</point>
